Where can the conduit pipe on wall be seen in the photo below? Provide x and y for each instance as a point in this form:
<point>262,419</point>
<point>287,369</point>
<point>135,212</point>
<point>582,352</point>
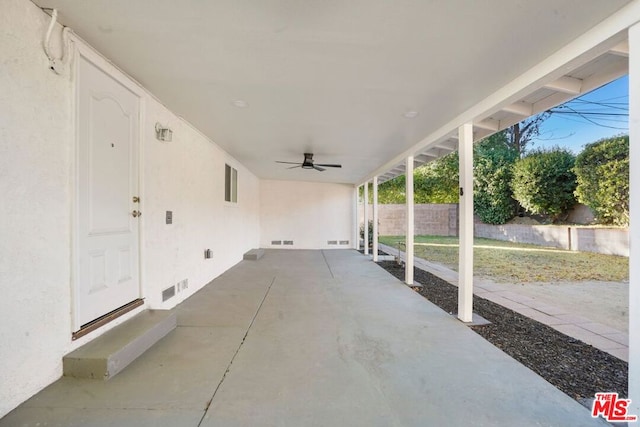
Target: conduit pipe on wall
<point>58,65</point>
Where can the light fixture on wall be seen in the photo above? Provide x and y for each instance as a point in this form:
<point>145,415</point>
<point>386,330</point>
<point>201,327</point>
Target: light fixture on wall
<point>163,133</point>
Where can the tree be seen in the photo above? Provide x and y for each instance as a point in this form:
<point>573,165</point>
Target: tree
<point>520,134</point>
<point>543,182</point>
<point>392,191</point>
<point>602,171</point>
<point>493,162</point>
<point>437,181</point>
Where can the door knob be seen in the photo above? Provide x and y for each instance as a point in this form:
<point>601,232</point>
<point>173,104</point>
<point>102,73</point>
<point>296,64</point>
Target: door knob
<point>136,214</point>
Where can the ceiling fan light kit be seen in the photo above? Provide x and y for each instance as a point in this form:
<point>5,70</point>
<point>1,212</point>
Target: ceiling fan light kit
<point>308,164</point>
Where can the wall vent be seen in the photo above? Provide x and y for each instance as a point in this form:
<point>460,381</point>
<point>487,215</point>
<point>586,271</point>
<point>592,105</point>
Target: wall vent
<point>276,242</point>
<point>332,242</point>
<point>287,242</point>
<point>344,242</point>
<point>170,292</point>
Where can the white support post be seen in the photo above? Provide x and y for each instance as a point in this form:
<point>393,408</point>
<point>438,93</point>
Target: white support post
<point>375,219</point>
<point>356,218</point>
<point>366,218</point>
<point>408,266</point>
<point>465,261</point>
<point>634,219</point>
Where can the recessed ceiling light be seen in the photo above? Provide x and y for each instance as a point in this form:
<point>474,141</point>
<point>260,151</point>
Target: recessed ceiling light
<point>410,114</point>
<point>240,103</point>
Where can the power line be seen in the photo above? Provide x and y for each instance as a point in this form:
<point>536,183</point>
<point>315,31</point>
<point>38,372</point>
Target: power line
<point>591,121</point>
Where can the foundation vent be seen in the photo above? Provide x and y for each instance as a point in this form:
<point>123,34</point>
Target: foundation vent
<point>276,242</point>
<point>287,242</point>
<point>170,292</point>
<point>344,242</point>
<point>332,242</point>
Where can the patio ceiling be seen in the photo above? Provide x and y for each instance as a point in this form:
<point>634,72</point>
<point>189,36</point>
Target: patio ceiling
<point>604,68</point>
<point>270,80</point>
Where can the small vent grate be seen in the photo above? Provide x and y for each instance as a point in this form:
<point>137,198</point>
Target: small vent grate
<point>344,242</point>
<point>287,242</point>
<point>332,242</point>
<point>276,242</point>
<point>170,292</point>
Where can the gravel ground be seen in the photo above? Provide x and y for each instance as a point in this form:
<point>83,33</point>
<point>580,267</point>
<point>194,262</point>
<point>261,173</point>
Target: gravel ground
<point>576,368</point>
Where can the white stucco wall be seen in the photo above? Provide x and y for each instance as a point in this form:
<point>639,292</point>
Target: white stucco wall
<point>37,155</point>
<point>309,214</point>
<point>35,164</point>
<point>186,176</point>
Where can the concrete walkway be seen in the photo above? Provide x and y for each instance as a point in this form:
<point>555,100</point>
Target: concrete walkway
<point>562,318</point>
<point>310,338</point>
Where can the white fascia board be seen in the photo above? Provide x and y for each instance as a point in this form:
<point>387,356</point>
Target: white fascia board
<point>598,40</point>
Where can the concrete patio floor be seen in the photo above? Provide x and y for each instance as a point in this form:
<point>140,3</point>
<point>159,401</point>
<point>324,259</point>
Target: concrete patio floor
<point>575,314</point>
<point>305,338</point>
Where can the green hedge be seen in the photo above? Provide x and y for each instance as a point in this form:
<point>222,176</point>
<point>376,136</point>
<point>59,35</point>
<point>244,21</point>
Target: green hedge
<point>543,182</point>
<point>492,196</point>
<point>602,171</point>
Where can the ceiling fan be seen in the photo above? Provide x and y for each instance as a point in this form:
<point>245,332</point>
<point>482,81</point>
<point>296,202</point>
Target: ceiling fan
<point>308,164</point>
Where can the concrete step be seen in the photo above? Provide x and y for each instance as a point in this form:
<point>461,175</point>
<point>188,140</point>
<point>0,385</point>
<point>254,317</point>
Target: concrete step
<point>254,254</point>
<point>110,353</point>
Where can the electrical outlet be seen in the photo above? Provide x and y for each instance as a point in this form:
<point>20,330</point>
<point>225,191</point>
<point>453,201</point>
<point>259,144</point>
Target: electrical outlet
<point>179,286</point>
<point>182,285</point>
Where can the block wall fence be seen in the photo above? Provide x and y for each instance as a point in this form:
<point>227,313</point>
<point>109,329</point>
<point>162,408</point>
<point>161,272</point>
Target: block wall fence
<point>442,220</point>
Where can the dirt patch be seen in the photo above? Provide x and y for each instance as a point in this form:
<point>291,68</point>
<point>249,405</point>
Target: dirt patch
<point>603,302</point>
<point>576,368</point>
<point>528,220</point>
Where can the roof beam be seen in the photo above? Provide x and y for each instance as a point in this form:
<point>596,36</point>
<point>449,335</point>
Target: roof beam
<point>481,133</point>
<point>621,49</point>
<point>551,101</point>
<point>598,80</point>
<point>566,84</point>
<point>521,108</point>
<point>445,146</point>
<point>588,84</point>
<point>488,124</point>
<point>427,157</point>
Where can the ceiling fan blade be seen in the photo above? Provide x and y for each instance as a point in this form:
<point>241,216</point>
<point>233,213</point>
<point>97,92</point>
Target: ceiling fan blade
<point>327,165</point>
<point>316,167</point>
<point>289,163</point>
<point>294,167</point>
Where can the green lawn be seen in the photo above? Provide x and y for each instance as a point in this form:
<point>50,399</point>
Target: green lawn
<point>509,262</point>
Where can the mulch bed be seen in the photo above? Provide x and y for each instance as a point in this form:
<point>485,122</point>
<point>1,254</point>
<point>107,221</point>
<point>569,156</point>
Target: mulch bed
<point>380,252</point>
<point>576,368</point>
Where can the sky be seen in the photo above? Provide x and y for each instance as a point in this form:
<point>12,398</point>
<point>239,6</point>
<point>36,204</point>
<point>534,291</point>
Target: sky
<point>607,106</point>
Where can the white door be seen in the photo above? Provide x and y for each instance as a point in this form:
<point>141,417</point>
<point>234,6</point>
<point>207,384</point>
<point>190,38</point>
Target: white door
<point>108,123</point>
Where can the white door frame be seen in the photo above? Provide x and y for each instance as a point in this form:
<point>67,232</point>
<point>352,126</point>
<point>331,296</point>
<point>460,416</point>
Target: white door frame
<point>79,49</point>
